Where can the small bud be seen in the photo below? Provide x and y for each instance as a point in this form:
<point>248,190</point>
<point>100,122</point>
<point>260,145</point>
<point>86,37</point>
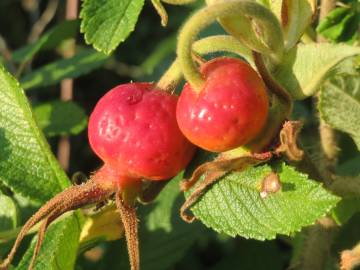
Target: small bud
<point>270,184</point>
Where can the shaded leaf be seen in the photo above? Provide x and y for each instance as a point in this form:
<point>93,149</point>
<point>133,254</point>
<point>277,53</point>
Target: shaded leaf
<point>80,64</point>
<point>340,105</point>
<point>307,66</point>
<point>350,167</point>
<point>246,256</point>
<point>8,213</point>
<point>65,30</point>
<point>345,209</point>
<point>234,205</point>
<point>27,165</point>
<point>107,23</point>
<point>59,248</point>
<point>60,118</point>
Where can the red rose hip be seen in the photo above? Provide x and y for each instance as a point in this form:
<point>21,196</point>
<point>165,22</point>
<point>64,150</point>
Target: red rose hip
<point>133,129</point>
<point>229,110</point>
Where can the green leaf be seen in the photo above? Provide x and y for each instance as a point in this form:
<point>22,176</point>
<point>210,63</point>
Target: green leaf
<point>164,236</point>
<point>27,165</point>
<point>107,23</point>
<point>65,30</point>
<point>60,118</point>
<point>295,17</point>
<point>345,209</point>
<point>340,105</point>
<point>80,64</point>
<point>59,248</point>
<point>340,24</point>
<point>349,167</point>
<point>8,213</point>
<point>234,205</point>
<point>307,66</point>
<point>333,25</point>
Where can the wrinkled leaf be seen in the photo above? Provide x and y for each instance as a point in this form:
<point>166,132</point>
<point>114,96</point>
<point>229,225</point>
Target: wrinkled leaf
<point>59,248</point>
<point>107,23</point>
<point>27,165</point>
<point>60,118</point>
<point>8,213</point>
<point>307,67</point>
<point>80,64</point>
<point>340,105</point>
<point>234,205</point>
<point>65,30</point>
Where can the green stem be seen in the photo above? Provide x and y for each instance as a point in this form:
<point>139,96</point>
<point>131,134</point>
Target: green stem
<point>224,43</point>
<point>171,78</point>
<point>208,15</point>
<point>161,11</point>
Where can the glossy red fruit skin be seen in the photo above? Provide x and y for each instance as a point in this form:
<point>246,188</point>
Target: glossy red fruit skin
<point>230,110</point>
<point>133,129</point>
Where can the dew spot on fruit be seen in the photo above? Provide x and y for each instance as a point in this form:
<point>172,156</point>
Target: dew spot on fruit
<point>135,97</point>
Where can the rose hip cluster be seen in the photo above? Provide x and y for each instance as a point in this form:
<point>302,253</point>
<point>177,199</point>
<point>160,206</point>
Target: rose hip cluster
<point>139,131</point>
<point>143,133</point>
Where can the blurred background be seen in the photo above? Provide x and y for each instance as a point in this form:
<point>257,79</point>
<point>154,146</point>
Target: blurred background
<point>144,56</point>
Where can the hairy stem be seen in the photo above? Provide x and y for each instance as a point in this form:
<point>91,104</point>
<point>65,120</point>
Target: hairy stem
<point>208,15</point>
<point>224,43</point>
<point>70,199</point>
<point>129,219</point>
